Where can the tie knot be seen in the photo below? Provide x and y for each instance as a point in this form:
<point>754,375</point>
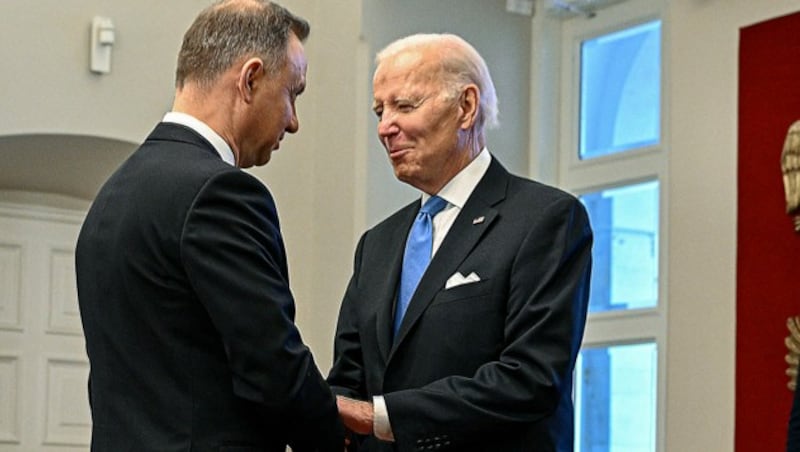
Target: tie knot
<point>433,206</point>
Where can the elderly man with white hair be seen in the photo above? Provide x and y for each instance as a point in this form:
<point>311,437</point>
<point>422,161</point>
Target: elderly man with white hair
<point>462,321</point>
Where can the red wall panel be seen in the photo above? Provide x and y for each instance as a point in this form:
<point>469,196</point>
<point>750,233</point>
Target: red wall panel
<point>768,249</point>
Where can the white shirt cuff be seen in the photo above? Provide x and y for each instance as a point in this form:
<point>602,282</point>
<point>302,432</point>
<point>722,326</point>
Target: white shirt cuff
<point>380,420</point>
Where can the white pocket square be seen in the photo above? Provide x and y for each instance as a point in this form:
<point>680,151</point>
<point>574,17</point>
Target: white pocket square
<point>459,280</point>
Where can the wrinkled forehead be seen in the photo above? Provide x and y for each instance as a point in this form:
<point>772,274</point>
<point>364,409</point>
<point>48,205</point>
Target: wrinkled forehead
<point>409,69</point>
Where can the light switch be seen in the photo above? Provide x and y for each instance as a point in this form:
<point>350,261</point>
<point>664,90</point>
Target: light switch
<point>101,44</point>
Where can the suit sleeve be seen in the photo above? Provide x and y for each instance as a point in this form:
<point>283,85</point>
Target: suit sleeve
<point>548,290</point>
<point>347,374</point>
<point>234,256</point>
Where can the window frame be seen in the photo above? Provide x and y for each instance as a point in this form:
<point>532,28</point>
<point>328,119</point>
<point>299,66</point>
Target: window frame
<point>555,157</point>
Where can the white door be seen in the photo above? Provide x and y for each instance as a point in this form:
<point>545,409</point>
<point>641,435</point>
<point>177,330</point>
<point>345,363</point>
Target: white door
<point>43,364</point>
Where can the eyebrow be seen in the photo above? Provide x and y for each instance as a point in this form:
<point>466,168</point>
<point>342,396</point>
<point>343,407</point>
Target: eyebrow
<point>415,101</point>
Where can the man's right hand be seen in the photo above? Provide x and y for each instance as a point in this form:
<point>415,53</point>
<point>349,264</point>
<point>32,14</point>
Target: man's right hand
<point>356,415</point>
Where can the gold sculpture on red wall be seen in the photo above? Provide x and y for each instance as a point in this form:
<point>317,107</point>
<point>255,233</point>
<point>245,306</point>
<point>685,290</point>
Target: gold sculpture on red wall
<point>793,346</point>
<point>790,166</point>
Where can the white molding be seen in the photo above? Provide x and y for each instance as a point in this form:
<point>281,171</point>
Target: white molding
<point>56,431</point>
<point>11,432</point>
<point>38,212</point>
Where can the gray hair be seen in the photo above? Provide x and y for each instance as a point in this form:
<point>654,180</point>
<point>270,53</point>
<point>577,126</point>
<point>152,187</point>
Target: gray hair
<point>461,65</point>
<point>230,30</point>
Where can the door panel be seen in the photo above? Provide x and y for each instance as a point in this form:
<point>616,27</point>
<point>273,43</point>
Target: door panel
<point>43,364</point>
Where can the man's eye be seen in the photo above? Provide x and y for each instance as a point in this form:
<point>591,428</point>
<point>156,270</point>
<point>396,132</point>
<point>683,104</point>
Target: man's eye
<point>378,113</point>
<point>405,107</point>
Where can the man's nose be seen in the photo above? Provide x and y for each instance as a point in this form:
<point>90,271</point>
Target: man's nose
<point>294,123</point>
<point>386,126</point>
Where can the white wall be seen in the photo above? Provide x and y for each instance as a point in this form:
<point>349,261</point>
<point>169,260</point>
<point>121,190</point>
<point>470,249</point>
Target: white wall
<point>702,59</point>
<point>314,175</point>
<point>45,83</point>
<point>63,128</point>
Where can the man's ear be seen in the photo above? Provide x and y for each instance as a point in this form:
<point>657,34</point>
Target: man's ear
<point>252,70</point>
<point>468,106</point>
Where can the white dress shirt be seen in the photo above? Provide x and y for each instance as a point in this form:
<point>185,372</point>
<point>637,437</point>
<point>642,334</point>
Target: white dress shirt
<point>456,193</point>
<point>205,131</point>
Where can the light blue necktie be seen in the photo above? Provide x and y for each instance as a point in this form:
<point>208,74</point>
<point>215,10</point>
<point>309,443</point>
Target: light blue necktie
<point>419,246</point>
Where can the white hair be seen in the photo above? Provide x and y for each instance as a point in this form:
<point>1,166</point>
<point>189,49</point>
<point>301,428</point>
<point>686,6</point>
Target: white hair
<point>461,65</point>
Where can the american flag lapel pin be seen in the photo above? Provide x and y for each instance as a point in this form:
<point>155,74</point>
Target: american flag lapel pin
<point>478,220</point>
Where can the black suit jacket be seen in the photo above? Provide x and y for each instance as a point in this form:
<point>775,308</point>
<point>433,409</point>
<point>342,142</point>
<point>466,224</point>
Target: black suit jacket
<point>485,366</point>
<point>186,308</point>
<point>793,437</point>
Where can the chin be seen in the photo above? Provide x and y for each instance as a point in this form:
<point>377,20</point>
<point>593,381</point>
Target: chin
<point>404,171</point>
<point>405,177</point>
<point>265,159</point>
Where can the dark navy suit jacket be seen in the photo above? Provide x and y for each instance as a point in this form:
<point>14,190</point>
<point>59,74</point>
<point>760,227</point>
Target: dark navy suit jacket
<point>793,439</point>
<point>485,366</point>
<point>186,308</point>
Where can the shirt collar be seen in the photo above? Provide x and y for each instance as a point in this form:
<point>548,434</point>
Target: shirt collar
<point>205,131</point>
<point>460,187</point>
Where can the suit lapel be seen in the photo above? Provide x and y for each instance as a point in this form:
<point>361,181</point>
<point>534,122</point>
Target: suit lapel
<point>472,222</point>
<point>396,236</point>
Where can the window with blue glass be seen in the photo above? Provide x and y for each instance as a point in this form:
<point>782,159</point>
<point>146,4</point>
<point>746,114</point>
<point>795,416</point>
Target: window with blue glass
<point>620,98</point>
<point>615,398</point>
<point>625,251</point>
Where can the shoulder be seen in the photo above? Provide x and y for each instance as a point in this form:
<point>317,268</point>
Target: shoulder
<point>519,189</point>
<point>176,154</point>
<point>239,185</point>
<point>532,205</point>
<point>391,230</point>
<point>401,217</point>
<point>531,189</point>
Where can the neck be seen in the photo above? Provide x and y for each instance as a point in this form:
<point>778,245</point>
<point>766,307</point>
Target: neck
<point>210,105</point>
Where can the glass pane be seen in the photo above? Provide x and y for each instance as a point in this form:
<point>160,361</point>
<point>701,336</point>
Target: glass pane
<point>625,251</point>
<point>620,91</point>
<point>615,399</point>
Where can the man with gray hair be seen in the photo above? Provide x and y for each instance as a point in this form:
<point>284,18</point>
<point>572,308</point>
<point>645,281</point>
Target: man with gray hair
<point>462,321</point>
<point>181,269</point>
